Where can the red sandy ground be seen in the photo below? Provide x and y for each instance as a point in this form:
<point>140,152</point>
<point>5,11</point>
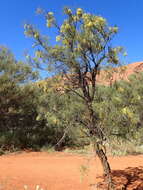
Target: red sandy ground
<point>61,171</point>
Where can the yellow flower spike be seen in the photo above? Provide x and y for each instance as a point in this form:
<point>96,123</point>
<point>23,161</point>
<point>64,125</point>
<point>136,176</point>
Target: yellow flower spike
<point>115,29</point>
<point>36,35</point>
<point>50,13</point>
<point>79,12</point>
<point>69,11</point>
<point>58,38</point>
<point>125,110</point>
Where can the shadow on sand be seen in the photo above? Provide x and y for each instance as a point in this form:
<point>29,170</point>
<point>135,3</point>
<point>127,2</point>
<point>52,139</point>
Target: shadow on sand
<point>129,179</point>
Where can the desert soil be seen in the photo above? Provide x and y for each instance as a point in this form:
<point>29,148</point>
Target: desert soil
<point>64,171</point>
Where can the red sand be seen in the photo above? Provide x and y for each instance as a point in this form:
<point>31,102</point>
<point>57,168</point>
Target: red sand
<point>61,171</point>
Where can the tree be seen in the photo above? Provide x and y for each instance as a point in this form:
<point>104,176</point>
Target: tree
<point>12,74</point>
<point>16,99</point>
<point>83,47</point>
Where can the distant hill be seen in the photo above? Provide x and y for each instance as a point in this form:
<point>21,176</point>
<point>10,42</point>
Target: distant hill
<point>104,77</point>
<point>120,73</point>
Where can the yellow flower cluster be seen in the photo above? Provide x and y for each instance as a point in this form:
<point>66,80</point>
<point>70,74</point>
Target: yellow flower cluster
<point>138,97</point>
<point>50,19</point>
<point>94,21</point>
<point>65,42</point>
<point>65,27</point>
<point>127,112</point>
<point>85,16</point>
<point>120,89</point>
<point>100,20</point>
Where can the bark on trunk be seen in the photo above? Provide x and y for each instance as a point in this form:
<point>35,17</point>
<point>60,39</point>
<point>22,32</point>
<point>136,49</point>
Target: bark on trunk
<point>105,164</point>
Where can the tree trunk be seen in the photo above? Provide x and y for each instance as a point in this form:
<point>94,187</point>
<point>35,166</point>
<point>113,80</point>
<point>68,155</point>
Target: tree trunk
<point>105,164</point>
<point>97,133</point>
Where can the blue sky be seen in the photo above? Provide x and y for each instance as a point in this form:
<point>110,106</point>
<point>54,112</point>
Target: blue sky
<point>126,14</point>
